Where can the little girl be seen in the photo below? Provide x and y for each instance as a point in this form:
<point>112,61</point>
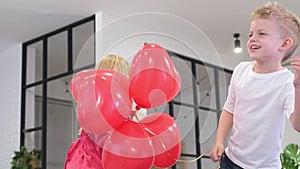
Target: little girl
<point>86,151</point>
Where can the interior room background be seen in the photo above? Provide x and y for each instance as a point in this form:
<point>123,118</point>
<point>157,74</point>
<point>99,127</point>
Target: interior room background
<point>95,37</point>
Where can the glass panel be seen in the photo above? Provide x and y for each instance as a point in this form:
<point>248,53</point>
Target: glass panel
<point>61,122</point>
<point>186,92</point>
<point>83,45</point>
<point>224,81</point>
<point>57,54</point>
<point>33,107</point>
<point>207,125</point>
<point>34,69</point>
<point>185,120</point>
<point>207,163</point>
<point>60,89</point>
<point>33,141</point>
<point>206,86</point>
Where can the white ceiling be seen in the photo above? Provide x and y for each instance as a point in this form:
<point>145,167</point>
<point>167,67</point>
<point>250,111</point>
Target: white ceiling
<point>218,20</point>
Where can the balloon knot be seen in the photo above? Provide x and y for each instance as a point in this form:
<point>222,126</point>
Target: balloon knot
<point>137,108</point>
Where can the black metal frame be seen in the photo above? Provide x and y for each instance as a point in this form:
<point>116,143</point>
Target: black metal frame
<point>46,79</point>
<point>195,105</point>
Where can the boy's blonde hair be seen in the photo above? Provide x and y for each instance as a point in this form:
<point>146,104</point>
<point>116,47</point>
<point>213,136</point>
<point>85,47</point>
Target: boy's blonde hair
<point>287,20</point>
<point>114,62</point>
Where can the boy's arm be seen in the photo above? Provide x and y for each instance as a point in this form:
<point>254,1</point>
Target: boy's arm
<point>295,117</point>
<point>225,124</point>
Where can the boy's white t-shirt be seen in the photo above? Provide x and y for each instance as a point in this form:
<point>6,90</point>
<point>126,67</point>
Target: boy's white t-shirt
<point>258,103</point>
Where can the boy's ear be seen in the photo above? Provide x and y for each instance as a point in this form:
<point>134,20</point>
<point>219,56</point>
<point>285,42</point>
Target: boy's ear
<point>287,43</point>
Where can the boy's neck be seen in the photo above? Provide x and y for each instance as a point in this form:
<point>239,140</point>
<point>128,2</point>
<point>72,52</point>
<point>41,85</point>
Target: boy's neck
<point>264,68</point>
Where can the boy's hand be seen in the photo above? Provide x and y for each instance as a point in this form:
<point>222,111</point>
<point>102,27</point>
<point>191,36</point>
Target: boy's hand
<point>295,63</point>
<point>216,153</point>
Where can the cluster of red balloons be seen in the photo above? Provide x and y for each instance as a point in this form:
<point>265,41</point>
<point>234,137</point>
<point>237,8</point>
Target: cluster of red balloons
<point>104,104</point>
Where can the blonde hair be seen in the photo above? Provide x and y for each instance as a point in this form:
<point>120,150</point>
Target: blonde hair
<point>114,62</point>
<point>287,20</point>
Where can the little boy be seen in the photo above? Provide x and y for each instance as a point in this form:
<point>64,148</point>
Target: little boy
<point>261,93</point>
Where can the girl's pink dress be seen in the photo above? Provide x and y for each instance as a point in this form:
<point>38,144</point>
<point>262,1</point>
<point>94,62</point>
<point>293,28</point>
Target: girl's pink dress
<point>84,153</point>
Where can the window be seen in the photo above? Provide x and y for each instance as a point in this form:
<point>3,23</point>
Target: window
<point>197,108</point>
<point>48,120</point>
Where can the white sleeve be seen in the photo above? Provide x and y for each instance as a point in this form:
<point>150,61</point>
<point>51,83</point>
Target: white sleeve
<point>230,101</point>
<point>231,97</point>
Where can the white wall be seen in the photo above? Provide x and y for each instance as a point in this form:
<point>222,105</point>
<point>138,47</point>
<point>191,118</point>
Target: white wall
<point>125,35</point>
<point>10,98</point>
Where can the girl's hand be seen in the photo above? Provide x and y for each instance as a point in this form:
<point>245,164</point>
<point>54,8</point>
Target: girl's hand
<point>295,63</point>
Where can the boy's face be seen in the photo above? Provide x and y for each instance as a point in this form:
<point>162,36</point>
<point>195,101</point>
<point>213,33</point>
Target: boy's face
<point>264,40</point>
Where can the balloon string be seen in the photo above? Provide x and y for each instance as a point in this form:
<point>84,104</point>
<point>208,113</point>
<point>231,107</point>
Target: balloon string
<point>193,160</point>
<point>151,132</point>
<point>136,116</point>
